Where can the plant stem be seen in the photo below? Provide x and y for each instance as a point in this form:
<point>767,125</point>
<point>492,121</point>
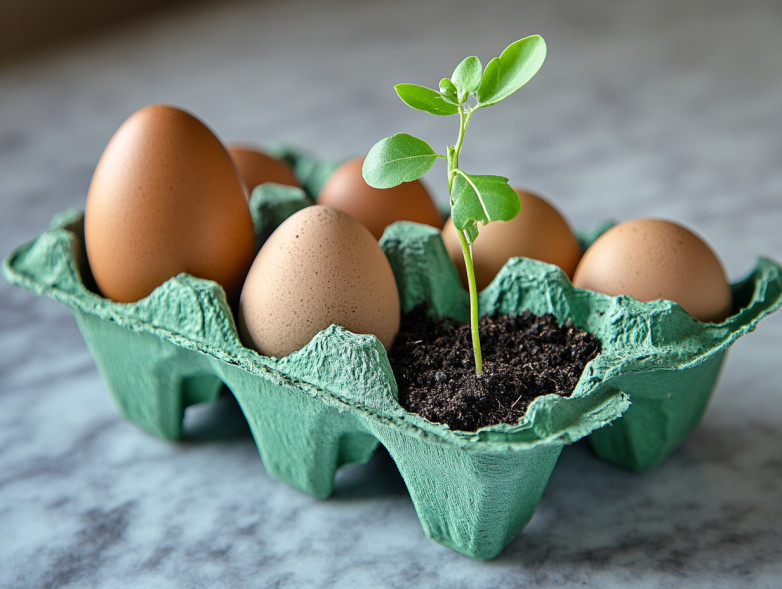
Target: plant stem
<point>455,150</point>
<point>453,164</point>
<point>473,290</point>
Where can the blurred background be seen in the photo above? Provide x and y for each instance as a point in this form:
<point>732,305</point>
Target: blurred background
<point>666,109</point>
<point>35,26</point>
<point>647,108</point>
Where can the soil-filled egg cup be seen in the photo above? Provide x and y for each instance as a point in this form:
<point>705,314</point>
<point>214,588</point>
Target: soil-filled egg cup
<point>331,403</point>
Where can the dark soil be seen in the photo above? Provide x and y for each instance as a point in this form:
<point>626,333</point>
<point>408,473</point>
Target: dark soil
<point>524,356</point>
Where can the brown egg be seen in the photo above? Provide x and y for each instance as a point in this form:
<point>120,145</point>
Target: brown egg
<point>377,208</point>
<point>320,267</point>
<point>650,259</point>
<point>256,168</point>
<point>539,232</point>
<point>166,198</point>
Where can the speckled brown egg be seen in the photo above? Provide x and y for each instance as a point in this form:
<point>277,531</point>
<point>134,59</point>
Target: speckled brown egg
<point>166,198</point>
<point>256,167</point>
<point>320,267</point>
<point>650,259</point>
<point>377,208</point>
<point>539,232</point>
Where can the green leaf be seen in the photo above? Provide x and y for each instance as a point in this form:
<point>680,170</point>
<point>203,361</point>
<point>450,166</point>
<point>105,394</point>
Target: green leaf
<point>482,199</point>
<point>425,99</point>
<point>510,71</point>
<point>397,159</point>
<point>467,76</point>
<point>447,89</point>
<point>490,79</point>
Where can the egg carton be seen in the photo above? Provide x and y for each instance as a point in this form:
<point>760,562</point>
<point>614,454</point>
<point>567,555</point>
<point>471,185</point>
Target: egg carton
<point>331,403</point>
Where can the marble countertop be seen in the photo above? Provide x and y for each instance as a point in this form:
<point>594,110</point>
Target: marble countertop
<point>664,109</point>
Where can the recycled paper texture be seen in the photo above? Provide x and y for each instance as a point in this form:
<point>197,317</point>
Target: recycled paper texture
<point>332,402</point>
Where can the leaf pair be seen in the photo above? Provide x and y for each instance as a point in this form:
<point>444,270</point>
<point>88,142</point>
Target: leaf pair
<point>511,70</point>
<point>475,198</point>
<point>503,75</point>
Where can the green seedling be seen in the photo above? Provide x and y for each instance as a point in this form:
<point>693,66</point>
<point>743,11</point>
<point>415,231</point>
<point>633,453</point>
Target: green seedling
<point>474,198</point>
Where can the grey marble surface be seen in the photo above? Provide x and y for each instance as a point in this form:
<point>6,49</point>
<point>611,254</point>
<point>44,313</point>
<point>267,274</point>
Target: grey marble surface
<point>670,109</point>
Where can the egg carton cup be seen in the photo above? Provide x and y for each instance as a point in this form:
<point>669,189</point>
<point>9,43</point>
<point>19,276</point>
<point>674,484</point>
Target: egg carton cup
<point>331,403</point>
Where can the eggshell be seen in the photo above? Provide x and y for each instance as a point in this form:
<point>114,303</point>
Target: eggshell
<point>256,167</point>
<point>320,267</point>
<point>166,198</point>
<point>651,259</point>
<point>539,232</point>
<point>377,208</point>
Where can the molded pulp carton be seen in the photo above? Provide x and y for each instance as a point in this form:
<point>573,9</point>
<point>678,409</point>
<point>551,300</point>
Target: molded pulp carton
<point>332,402</point>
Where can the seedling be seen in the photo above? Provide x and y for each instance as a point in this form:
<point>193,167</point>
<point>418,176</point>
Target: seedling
<point>474,198</point>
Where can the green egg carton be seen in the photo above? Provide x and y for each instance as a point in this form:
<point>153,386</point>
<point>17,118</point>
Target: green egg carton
<point>331,403</point>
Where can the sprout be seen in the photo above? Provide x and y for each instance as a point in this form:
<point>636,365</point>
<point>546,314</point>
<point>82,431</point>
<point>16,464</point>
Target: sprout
<point>474,198</point>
